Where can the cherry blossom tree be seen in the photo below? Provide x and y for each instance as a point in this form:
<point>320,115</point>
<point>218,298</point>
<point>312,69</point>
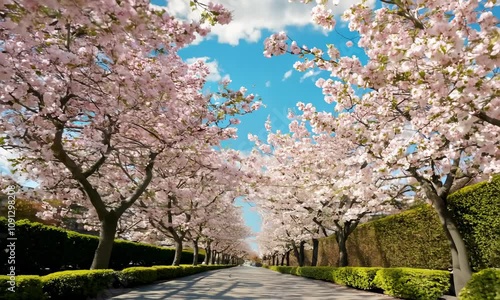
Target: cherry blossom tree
<point>189,192</point>
<point>94,95</point>
<point>231,238</point>
<point>193,204</point>
<point>320,182</point>
<point>424,106</point>
<point>281,236</point>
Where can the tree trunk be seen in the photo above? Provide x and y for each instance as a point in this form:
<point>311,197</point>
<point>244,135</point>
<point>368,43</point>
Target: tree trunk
<point>288,258</point>
<point>208,252</point>
<point>178,253</point>
<point>314,260</point>
<point>341,235</point>
<point>296,253</point>
<point>214,257</point>
<point>106,239</point>
<point>195,252</point>
<point>341,241</point>
<point>462,271</point>
<point>274,259</point>
<point>302,253</point>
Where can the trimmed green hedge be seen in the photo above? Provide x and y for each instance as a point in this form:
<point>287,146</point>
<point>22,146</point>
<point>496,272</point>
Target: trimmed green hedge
<point>413,238</point>
<point>24,287</point>
<point>476,209</point>
<point>356,277</point>
<point>321,273</point>
<point>138,275</point>
<point>84,284</point>
<point>77,284</point>
<point>72,250</point>
<point>168,272</point>
<point>484,285</point>
<point>406,283</point>
<point>417,284</point>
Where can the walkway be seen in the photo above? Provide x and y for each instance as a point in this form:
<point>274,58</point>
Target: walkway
<point>247,283</point>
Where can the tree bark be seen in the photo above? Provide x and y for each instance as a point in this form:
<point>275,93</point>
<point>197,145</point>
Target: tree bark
<point>288,258</point>
<point>341,241</point>
<point>462,271</point>
<point>437,191</point>
<point>314,260</point>
<point>208,252</point>
<point>106,239</point>
<point>283,259</point>
<point>296,253</point>
<point>214,257</point>
<point>195,252</point>
<point>302,253</point>
<point>178,252</point>
<point>341,235</point>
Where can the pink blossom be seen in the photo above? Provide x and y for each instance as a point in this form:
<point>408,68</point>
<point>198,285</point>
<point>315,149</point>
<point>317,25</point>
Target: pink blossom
<point>323,17</point>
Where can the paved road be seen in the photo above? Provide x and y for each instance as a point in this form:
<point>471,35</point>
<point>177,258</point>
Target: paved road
<point>247,283</point>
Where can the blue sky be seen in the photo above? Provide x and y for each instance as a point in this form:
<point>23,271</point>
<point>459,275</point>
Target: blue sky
<point>236,50</point>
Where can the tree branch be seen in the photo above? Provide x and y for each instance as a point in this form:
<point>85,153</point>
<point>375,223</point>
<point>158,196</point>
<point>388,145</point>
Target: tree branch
<point>60,153</point>
<point>141,188</point>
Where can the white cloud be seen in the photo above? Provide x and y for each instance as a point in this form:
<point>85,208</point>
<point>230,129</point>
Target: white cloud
<point>251,17</point>
<point>213,67</point>
<point>226,78</point>
<point>287,75</point>
<point>268,83</point>
<point>310,73</point>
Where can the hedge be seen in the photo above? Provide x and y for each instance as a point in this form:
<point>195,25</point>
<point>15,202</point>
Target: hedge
<point>84,284</point>
<point>417,284</point>
<point>484,285</point>
<point>27,287</point>
<point>476,209</point>
<point>77,284</point>
<point>356,277</point>
<point>168,272</point>
<point>406,283</point>
<point>321,273</point>
<point>47,249</point>
<point>138,276</point>
<point>415,238</point>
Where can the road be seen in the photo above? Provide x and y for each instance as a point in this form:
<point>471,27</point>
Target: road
<point>246,283</point>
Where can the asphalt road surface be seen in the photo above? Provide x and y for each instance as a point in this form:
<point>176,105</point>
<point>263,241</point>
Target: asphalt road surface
<point>247,283</point>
